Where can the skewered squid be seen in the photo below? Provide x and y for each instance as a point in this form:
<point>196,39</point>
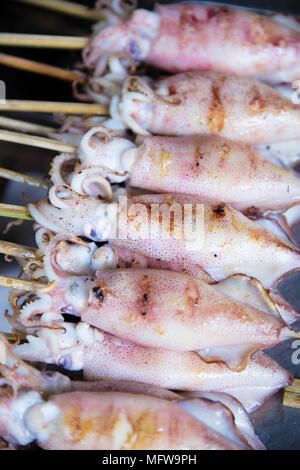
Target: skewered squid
<point>218,238</point>
<point>184,37</point>
<point>207,166</point>
<point>174,312</point>
<point>238,108</point>
<point>103,356</point>
<point>25,384</point>
<point>120,421</point>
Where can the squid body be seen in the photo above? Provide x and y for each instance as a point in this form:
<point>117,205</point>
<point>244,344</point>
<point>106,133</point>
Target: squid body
<point>124,421</point>
<point>206,166</point>
<point>237,108</point>
<point>174,228</point>
<point>160,309</point>
<point>184,37</point>
<point>26,415</point>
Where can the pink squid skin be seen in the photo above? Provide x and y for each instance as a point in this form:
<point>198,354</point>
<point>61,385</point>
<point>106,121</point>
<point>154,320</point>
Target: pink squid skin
<point>184,37</point>
<point>128,259</point>
<point>112,363</point>
<point>125,258</point>
<point>214,169</point>
<point>225,242</point>
<point>121,421</point>
<point>175,312</point>
<point>117,359</point>
<point>237,108</point>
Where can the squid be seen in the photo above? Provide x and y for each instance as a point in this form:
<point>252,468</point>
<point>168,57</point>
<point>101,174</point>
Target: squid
<point>163,309</point>
<point>237,108</point>
<point>123,421</point>
<point>173,311</point>
<point>103,357</point>
<point>217,238</point>
<point>207,166</point>
<point>24,386</point>
<point>187,37</point>
<point>18,374</point>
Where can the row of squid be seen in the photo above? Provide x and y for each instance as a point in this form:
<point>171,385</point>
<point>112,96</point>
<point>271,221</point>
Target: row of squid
<point>136,303</point>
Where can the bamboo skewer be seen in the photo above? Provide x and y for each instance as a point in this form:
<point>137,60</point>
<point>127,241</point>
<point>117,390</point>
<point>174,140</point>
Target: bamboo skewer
<point>12,249</point>
<point>291,399</point>
<point>36,141</point>
<point>26,127</point>
<point>42,69</point>
<point>24,179</point>
<point>291,395</point>
<point>11,338</point>
<point>43,41</point>
<point>29,286</point>
<point>54,107</point>
<point>295,387</point>
<point>14,212</point>
<point>67,8</point>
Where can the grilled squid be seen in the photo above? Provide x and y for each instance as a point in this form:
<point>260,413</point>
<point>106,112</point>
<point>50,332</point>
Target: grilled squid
<point>207,166</point>
<point>217,238</point>
<point>184,37</point>
<point>124,421</point>
<point>168,310</point>
<point>102,356</point>
<point>25,416</point>
<point>237,108</point>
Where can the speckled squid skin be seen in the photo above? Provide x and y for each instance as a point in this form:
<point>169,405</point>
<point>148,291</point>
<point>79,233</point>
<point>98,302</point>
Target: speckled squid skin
<point>117,359</point>
<point>120,421</point>
<point>175,312</point>
<point>238,108</point>
<point>184,37</point>
<point>212,37</point>
<point>215,169</point>
<point>227,243</point>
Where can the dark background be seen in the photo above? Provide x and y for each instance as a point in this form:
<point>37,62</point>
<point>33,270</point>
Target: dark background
<point>278,426</point>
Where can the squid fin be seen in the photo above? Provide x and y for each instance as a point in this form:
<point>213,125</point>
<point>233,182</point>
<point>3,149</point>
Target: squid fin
<point>283,154</point>
<point>241,419</point>
<point>236,356</point>
<point>288,312</point>
<point>249,291</point>
<point>206,411</point>
<point>288,221</point>
<point>252,397</point>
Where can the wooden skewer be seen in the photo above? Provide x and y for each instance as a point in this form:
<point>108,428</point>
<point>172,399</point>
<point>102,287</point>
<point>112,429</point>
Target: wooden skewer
<point>30,286</point>
<point>54,107</point>
<point>14,212</point>
<point>36,141</point>
<point>42,69</point>
<point>43,41</point>
<point>295,387</point>
<point>26,127</point>
<point>11,338</point>
<point>68,8</point>
<point>24,179</point>
<point>12,249</point>
<point>291,399</point>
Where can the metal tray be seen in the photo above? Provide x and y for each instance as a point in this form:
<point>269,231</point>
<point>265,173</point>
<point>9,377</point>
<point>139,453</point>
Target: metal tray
<point>278,426</point>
